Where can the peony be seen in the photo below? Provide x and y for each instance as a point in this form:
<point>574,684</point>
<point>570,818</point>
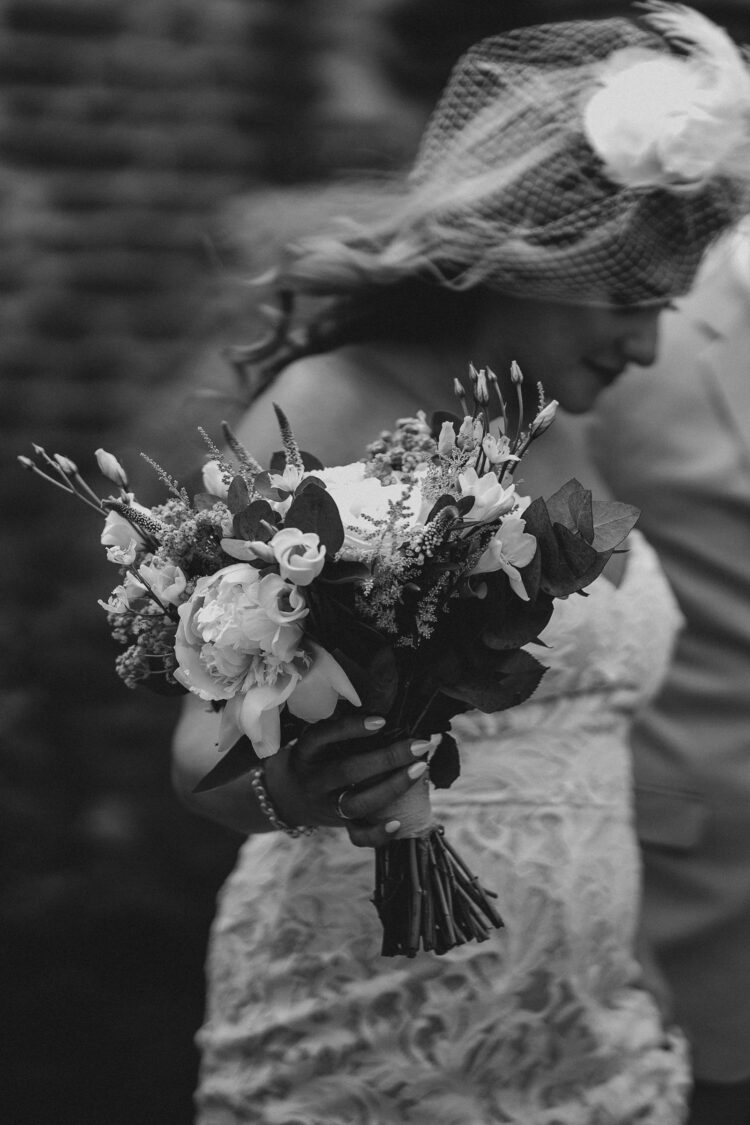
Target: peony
<point>510,548</point>
<point>232,617</point>
<point>300,555</point>
<point>490,498</point>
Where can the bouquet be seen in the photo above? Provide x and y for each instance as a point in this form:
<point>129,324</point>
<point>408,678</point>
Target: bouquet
<point>408,582</point>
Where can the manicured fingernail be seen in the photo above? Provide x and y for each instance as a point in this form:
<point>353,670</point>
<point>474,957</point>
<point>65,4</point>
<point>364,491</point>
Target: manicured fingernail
<point>420,746</point>
<point>392,826</point>
<point>374,723</point>
<point>416,770</point>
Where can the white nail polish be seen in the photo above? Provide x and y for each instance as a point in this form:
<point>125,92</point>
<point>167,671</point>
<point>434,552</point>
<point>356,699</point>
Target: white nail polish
<point>392,826</point>
<point>419,747</point>
<point>373,723</point>
<point>416,770</point>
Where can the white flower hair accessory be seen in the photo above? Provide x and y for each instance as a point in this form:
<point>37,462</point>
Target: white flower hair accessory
<point>666,120</point>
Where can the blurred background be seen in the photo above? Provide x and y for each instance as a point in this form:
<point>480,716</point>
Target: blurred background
<point>152,155</point>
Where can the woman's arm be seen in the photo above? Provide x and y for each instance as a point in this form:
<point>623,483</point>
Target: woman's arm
<point>303,782</point>
<point>193,756</point>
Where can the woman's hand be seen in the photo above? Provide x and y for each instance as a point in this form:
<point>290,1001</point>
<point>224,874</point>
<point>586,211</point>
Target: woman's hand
<point>320,780</point>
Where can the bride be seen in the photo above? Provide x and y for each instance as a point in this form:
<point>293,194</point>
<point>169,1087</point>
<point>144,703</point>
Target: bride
<point>529,232</point>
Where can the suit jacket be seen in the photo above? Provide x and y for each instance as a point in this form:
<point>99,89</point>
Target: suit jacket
<point>674,439</point>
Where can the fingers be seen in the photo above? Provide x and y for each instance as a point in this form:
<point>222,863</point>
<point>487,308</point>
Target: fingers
<point>372,835</point>
<point>320,736</point>
<point>368,765</point>
<point>371,802</point>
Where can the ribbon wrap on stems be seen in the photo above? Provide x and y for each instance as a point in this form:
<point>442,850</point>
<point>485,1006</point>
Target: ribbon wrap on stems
<point>425,895</point>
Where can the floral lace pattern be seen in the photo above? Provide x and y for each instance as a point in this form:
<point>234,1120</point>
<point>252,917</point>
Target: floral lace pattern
<point>546,1023</point>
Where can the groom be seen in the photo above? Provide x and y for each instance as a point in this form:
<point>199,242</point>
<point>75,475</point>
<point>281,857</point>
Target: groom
<point>674,439</point>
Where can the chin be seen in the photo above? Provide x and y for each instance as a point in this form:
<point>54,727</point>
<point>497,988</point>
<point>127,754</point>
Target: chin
<point>579,395</point>
<point>579,403</point>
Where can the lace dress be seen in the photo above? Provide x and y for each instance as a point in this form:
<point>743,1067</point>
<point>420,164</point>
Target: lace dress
<point>547,1022</point>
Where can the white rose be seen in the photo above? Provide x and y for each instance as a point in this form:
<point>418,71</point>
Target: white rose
<point>284,606</point>
<point>300,555</point>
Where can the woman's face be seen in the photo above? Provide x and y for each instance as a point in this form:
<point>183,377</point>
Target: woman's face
<point>575,351</point>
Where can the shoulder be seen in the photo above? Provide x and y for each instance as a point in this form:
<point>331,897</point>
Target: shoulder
<point>336,403</point>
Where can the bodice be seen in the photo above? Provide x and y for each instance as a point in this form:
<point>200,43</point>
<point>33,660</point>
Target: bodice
<point>606,654</point>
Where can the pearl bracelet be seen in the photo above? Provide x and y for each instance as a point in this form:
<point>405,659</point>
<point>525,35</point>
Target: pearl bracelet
<point>261,793</point>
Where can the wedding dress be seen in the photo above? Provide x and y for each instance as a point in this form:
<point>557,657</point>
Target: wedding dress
<point>547,1022</point>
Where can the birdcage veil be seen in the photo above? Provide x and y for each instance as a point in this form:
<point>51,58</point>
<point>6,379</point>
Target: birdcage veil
<point>587,161</point>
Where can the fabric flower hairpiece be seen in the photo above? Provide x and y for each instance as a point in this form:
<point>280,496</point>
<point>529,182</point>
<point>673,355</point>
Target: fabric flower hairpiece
<point>672,120</point>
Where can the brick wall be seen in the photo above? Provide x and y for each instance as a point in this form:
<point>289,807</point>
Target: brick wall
<point>128,131</point>
<point>124,127</point>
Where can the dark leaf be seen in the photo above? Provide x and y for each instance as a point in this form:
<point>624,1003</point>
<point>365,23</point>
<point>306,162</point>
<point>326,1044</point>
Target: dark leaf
<point>538,523</point>
<point>278,462</point>
<point>338,627</point>
<point>309,482</point>
<point>356,672</point>
<point>382,682</point>
<point>509,621</point>
<point>582,514</point>
<point>445,765</point>
<point>315,510</point>
<point>559,503</point>
<point>462,505</point>
<point>247,523</point>
<point>435,718</point>
<point>440,416</point>
<point>203,501</point>
<point>578,554</point>
<point>612,523</point>
<point>498,682</point>
<point>236,762</point>
<point>238,496</point>
<point>262,484</point>
<point>442,502</point>
<point>532,575</point>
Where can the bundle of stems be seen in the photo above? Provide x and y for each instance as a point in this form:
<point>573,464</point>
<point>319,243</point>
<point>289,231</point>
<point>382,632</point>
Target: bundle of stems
<point>426,897</point>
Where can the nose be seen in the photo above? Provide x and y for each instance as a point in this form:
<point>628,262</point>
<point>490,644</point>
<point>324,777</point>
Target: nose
<point>641,342</point>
